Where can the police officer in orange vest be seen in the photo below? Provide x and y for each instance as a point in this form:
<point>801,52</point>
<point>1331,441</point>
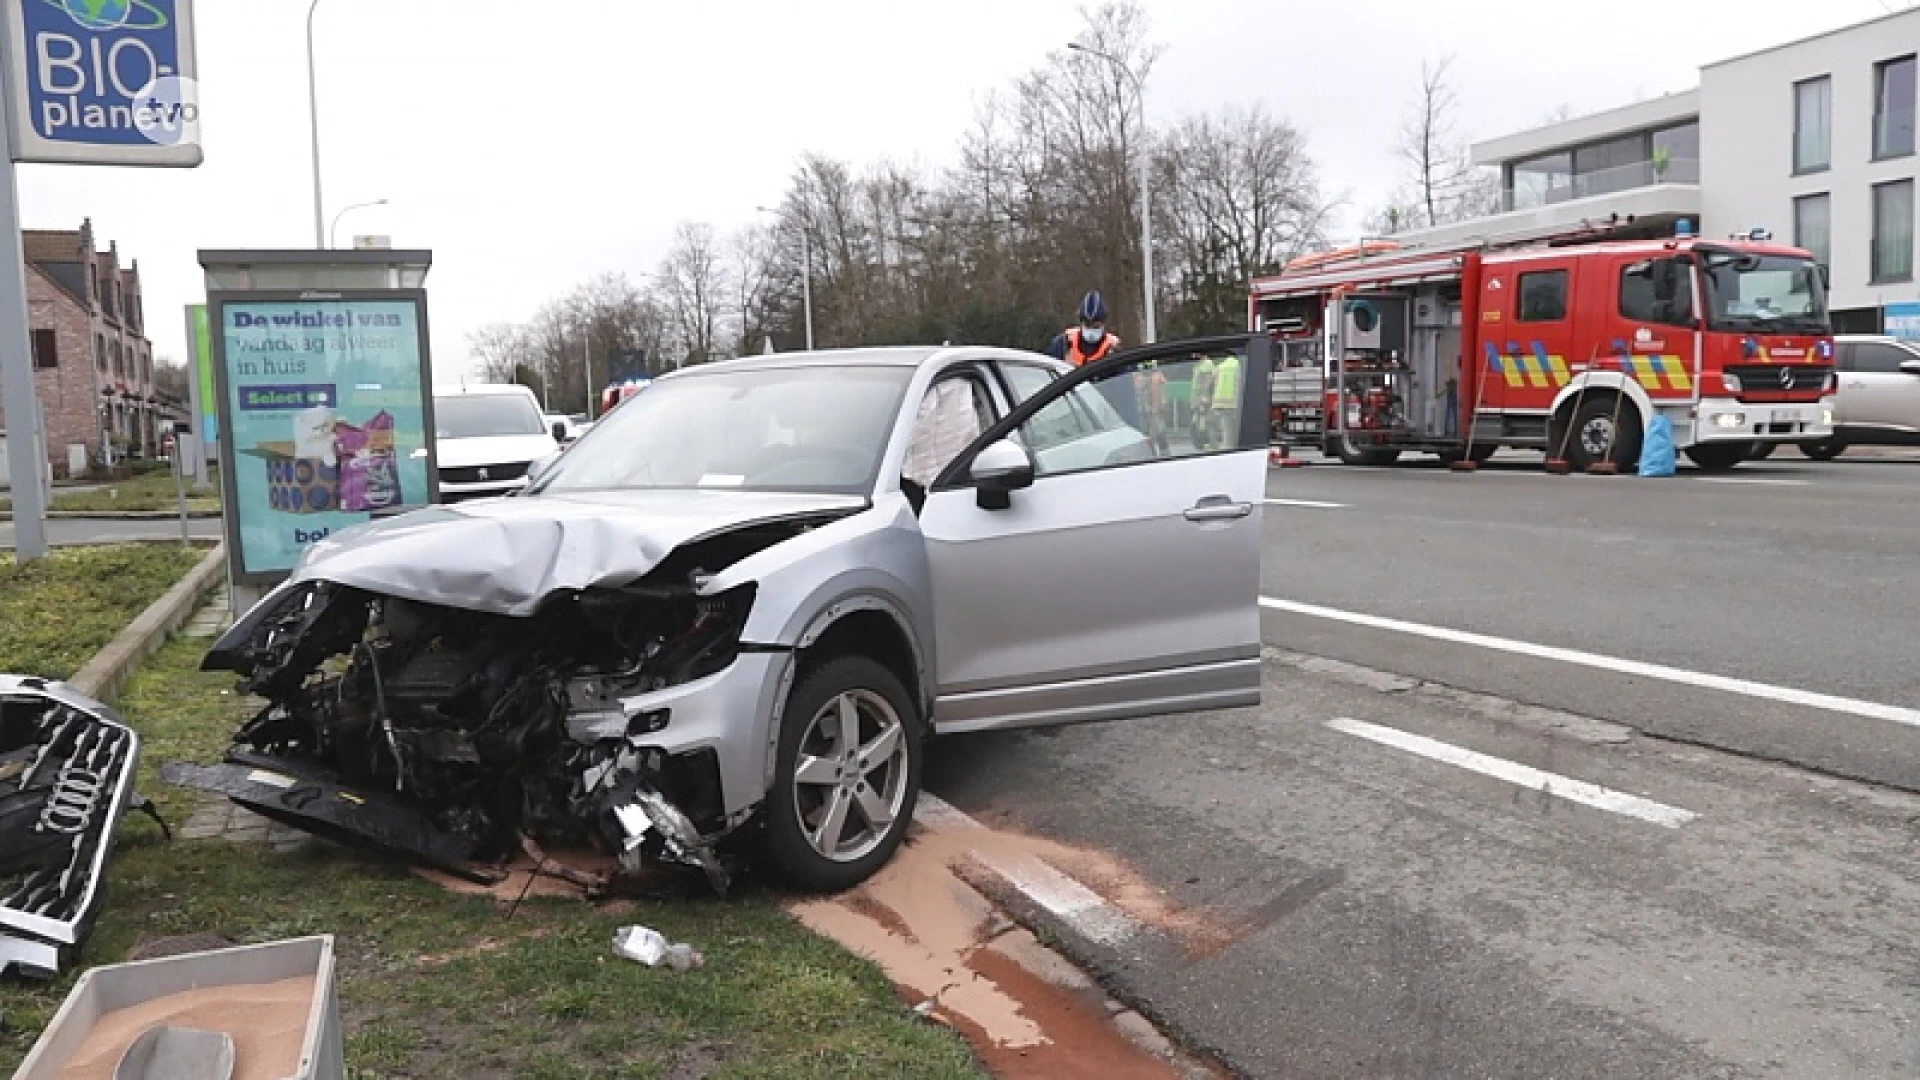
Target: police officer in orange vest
<point>1090,340</point>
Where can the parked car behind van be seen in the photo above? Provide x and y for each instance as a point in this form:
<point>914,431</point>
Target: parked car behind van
<point>1879,399</point>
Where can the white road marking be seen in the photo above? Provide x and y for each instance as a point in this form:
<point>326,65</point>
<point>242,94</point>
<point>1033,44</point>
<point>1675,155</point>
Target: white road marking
<point>1062,896</point>
<point>1309,503</point>
<point>1755,480</point>
<point>1872,710</point>
<point>1526,776</point>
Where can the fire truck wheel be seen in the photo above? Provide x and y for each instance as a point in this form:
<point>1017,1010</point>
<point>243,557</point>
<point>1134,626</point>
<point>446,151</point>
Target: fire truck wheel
<point>1718,457</point>
<point>1824,450</point>
<point>1350,454</point>
<point>1593,433</point>
<point>1762,451</point>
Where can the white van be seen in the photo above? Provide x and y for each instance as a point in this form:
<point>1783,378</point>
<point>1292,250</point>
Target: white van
<point>485,436</point>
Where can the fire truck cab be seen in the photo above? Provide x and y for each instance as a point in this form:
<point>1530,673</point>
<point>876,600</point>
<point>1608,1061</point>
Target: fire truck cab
<point>1572,346</point>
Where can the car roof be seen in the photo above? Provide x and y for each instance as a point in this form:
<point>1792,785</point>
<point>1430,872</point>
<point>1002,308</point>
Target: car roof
<point>1879,339</point>
<point>480,390</point>
<point>894,356</point>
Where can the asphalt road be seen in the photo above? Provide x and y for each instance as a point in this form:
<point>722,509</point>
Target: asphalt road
<point>67,532</point>
<point>1687,884</point>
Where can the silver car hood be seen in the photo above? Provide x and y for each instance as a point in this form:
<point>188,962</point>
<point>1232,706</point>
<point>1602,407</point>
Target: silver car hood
<point>504,556</point>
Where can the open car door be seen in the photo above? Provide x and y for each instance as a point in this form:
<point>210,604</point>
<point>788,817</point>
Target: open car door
<point>1096,554</point>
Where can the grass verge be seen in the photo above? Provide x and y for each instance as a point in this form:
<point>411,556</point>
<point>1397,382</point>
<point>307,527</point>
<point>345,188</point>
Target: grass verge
<point>152,491</point>
<point>56,612</point>
<point>437,985</point>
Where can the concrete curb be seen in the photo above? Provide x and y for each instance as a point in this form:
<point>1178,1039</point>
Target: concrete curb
<point>107,673</point>
<point>118,515</point>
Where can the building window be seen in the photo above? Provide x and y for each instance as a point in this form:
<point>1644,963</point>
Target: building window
<point>1893,231</point>
<point>100,353</point>
<point>1893,104</point>
<point>1540,181</point>
<point>1813,225</point>
<point>1659,292</point>
<point>46,349</point>
<point>1813,124</point>
<point>1543,296</point>
<point>1676,154</point>
<point>119,365</point>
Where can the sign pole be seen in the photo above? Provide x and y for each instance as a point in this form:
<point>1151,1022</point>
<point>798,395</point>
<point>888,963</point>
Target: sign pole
<point>195,405</point>
<point>26,443</point>
<point>180,438</point>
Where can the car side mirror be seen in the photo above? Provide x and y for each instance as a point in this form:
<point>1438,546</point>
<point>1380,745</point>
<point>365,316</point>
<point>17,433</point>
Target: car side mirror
<point>998,472</point>
<point>1911,367</point>
<point>559,432</point>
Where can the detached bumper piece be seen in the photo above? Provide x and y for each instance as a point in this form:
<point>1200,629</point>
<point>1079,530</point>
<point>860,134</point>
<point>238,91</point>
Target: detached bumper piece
<point>313,800</point>
<point>67,766</point>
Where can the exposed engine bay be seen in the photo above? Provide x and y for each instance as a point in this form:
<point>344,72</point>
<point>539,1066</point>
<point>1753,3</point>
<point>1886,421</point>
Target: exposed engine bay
<point>453,737</point>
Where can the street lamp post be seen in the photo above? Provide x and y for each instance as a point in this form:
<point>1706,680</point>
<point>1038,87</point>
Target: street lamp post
<point>333,230</point>
<point>313,123</point>
<point>1146,185</point>
<point>806,274</point>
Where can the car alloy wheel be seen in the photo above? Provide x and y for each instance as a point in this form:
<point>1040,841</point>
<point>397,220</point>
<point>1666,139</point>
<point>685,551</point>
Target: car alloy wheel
<point>850,779</point>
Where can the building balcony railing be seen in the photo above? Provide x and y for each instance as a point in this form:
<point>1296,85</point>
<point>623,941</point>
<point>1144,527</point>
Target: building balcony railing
<point>1535,189</point>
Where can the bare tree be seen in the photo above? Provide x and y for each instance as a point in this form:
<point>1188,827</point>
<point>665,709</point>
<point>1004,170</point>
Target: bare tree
<point>755,280</point>
<point>498,350</point>
<point>1427,141</point>
<point>691,280</point>
<point>1241,200</point>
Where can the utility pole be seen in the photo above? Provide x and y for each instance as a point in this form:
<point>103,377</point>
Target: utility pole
<point>586,367</point>
<point>313,124</point>
<point>26,440</point>
<point>806,273</point>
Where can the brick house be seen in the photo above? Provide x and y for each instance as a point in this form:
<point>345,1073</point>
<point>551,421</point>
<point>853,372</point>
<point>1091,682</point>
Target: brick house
<point>93,364</point>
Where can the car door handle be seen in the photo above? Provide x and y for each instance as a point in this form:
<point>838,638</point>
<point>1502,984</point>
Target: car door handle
<point>1218,508</point>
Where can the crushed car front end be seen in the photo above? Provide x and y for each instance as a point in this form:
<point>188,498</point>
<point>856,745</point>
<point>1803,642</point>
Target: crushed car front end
<point>574,679</point>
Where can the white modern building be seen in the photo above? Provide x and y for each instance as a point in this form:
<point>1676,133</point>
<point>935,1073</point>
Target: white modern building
<point>1812,140</point>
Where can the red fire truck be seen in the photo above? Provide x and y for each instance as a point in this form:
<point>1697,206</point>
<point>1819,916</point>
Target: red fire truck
<point>1570,344</point>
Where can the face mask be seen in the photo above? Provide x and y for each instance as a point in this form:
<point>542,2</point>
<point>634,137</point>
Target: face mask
<point>1092,334</point>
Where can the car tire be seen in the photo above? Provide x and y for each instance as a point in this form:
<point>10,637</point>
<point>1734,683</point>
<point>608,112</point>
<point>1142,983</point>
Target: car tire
<point>1762,451</point>
<point>1824,450</point>
<point>814,771</point>
<point>1718,457</point>
<point>1350,454</point>
<point>1589,424</point>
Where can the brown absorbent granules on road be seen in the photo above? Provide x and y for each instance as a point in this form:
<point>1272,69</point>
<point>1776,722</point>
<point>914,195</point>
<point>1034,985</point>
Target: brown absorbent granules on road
<point>266,1020</point>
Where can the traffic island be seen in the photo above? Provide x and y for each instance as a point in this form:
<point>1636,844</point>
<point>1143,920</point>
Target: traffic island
<point>435,984</point>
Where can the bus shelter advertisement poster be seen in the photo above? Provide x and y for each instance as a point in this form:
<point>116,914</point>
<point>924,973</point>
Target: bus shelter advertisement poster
<point>327,414</point>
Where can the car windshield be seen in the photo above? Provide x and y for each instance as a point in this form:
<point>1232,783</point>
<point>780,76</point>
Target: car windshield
<point>1774,293</point>
<point>475,416</point>
<point>816,429</point>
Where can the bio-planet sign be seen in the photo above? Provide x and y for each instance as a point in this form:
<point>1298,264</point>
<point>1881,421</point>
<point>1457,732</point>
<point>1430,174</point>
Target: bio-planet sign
<point>102,82</point>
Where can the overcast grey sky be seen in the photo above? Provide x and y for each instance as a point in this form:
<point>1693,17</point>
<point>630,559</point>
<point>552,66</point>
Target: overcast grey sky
<point>531,145</point>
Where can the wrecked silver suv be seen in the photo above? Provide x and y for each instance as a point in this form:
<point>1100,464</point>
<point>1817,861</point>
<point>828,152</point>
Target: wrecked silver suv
<point>742,601</point>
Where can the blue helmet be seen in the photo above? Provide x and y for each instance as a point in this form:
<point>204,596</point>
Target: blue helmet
<point>1093,309</point>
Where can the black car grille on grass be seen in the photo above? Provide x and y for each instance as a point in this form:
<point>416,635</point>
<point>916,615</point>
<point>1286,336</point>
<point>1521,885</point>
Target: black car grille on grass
<point>66,777</point>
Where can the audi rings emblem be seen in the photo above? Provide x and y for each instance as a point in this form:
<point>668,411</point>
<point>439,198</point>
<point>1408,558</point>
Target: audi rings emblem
<point>70,806</point>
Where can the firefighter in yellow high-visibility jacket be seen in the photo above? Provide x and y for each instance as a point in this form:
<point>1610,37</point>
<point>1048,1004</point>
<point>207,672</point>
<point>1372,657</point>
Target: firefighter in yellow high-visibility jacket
<point>1201,402</point>
<point>1225,411</point>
